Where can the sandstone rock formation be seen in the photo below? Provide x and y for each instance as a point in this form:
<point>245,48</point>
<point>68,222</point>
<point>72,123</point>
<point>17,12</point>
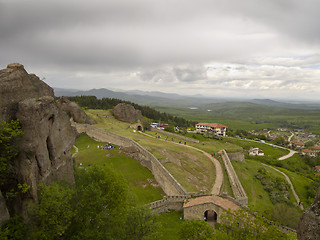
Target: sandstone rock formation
<point>309,225</point>
<point>44,149</point>
<point>16,85</point>
<point>74,111</point>
<point>126,113</point>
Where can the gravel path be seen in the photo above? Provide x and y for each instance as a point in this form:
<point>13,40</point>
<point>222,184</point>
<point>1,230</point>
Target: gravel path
<point>219,173</point>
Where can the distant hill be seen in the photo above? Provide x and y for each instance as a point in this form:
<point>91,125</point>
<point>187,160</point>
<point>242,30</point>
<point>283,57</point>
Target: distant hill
<point>160,99</point>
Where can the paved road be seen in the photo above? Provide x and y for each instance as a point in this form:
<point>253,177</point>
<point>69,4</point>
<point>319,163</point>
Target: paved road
<point>290,154</point>
<point>219,173</point>
<point>290,183</point>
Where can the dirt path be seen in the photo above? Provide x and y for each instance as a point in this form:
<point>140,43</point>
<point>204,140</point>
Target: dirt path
<point>219,174</point>
<point>77,150</point>
<point>290,154</point>
<point>290,183</point>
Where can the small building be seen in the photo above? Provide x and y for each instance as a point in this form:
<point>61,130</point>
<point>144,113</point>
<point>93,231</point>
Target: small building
<point>316,149</point>
<point>317,169</point>
<point>308,152</point>
<point>298,145</point>
<point>256,152</point>
<point>208,208</point>
<point>216,128</point>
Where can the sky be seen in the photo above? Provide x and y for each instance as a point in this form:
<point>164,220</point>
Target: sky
<point>230,48</point>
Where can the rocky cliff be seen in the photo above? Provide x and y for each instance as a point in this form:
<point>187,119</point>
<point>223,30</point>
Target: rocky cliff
<point>74,111</point>
<point>126,113</point>
<point>309,225</point>
<point>17,85</point>
<point>44,149</point>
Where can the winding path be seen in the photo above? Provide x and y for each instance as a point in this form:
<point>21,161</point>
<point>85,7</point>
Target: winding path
<point>290,183</point>
<point>219,173</point>
<point>77,150</point>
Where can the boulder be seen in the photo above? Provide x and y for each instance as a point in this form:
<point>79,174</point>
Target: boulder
<point>74,111</point>
<point>309,225</point>
<point>127,113</point>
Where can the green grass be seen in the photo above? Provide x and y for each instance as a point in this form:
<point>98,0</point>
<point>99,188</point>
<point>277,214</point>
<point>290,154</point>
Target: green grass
<point>193,170</point>
<point>300,182</point>
<point>142,185</point>
<point>259,199</point>
<point>170,225</point>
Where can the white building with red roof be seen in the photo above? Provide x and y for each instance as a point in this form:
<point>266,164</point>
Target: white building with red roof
<point>216,128</point>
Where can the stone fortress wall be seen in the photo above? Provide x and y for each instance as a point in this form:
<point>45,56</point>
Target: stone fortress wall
<point>167,182</point>
<point>235,183</point>
<point>236,156</point>
<point>183,138</point>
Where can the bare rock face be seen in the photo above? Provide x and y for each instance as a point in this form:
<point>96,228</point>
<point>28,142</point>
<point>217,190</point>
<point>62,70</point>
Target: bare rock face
<point>126,113</point>
<point>309,225</point>
<point>74,111</point>
<point>4,213</point>
<point>44,149</point>
<point>16,85</point>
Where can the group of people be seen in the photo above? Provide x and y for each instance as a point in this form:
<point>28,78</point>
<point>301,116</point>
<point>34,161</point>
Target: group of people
<point>108,146</point>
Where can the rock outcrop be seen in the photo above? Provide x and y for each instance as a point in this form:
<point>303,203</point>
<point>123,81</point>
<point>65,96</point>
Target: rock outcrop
<point>74,111</point>
<point>127,113</point>
<point>44,149</point>
<point>17,85</point>
<point>309,225</point>
<point>4,213</point>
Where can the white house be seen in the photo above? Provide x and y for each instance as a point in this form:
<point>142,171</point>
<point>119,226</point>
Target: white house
<point>216,128</point>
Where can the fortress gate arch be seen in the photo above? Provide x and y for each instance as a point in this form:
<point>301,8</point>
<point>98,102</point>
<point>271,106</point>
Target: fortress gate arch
<point>210,207</point>
<point>210,216</point>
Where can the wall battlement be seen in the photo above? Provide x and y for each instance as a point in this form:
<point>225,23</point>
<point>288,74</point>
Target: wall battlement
<point>236,185</point>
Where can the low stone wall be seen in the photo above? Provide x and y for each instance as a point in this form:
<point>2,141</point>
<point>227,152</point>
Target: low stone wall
<point>171,203</point>
<point>236,186</point>
<point>236,156</point>
<point>183,138</point>
<point>167,182</point>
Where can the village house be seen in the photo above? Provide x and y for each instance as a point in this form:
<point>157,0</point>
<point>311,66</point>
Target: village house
<point>256,152</point>
<point>215,128</point>
<point>297,145</point>
<point>316,149</point>
<point>308,152</point>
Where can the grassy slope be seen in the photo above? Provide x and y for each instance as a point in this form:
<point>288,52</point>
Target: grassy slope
<point>191,168</point>
<point>258,198</point>
<point>140,180</point>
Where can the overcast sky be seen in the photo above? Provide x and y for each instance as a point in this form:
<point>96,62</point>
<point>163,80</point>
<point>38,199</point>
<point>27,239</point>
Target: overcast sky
<point>247,48</point>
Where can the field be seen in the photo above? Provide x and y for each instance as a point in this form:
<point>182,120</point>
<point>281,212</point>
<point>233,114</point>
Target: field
<point>142,185</point>
<point>192,169</point>
<point>250,116</point>
<point>196,172</point>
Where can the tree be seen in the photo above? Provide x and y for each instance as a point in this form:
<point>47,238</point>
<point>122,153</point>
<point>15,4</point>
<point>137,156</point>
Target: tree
<point>280,140</point>
<point>196,230</point>
<point>101,203</point>
<point>9,132</point>
<point>242,225</point>
<point>53,213</point>
<point>141,224</point>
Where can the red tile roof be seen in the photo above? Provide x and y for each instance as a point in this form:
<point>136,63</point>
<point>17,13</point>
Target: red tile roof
<point>307,151</point>
<point>214,125</point>
<point>221,202</point>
